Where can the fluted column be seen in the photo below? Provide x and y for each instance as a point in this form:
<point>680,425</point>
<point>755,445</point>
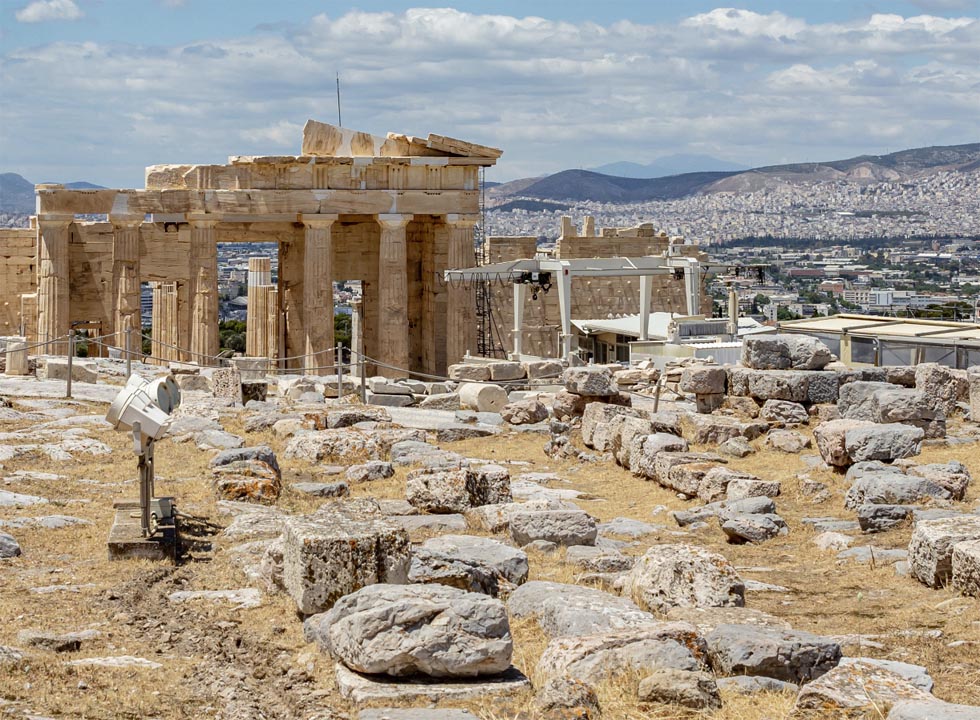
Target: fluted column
<point>257,314</point>
<point>393,345</point>
<point>204,290</point>
<point>460,313</point>
<point>165,322</point>
<point>53,281</point>
<point>126,279</point>
<point>318,293</point>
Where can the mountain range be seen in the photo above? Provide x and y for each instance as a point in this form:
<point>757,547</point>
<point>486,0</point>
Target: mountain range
<point>667,165</point>
<point>586,185</point>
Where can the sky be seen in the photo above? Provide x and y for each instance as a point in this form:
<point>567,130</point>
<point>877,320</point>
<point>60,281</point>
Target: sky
<point>96,90</point>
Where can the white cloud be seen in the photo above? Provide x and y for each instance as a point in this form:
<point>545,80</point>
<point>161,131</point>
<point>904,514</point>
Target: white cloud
<point>45,10</point>
<point>747,86</point>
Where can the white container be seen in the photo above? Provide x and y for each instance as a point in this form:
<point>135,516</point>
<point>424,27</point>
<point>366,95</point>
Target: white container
<point>134,404</point>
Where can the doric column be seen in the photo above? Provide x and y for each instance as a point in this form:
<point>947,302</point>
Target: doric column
<point>165,322</point>
<point>318,293</point>
<point>203,290</point>
<point>53,307</point>
<point>393,345</point>
<point>257,314</point>
<point>126,279</point>
<point>460,320</point>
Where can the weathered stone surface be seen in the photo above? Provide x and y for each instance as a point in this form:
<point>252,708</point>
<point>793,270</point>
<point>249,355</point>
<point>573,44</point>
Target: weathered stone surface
<point>563,610</point>
<point>915,674</point>
<point>56,642</point>
<point>566,405</point>
<point>246,474</point>
<point>703,380</point>
<point>482,397</point>
<point>644,450</point>
<point>362,689</point>
<point>931,547</point>
<point>453,491</point>
<point>9,547</point>
<point>716,483</point>
<point>685,575</point>
<point>878,518</point>
<point>755,528</point>
<point>830,439</point>
<point>942,386</point>
<point>883,442</point>
<point>789,655</point>
<point>785,412</point>
<point>623,431</point>
<point>432,566</point>
<point>932,709</point>
<point>341,548</point>
<point>879,484</point>
<point>348,417</point>
<point>508,562</point>
<point>749,685</point>
<point>597,657</point>
<point>745,486</point>
<point>686,688</point>
<point>327,490</point>
<point>564,527</point>
<point>415,714</point>
<point>966,567</point>
<point>598,559</point>
<point>787,441</point>
<point>715,429</point>
<point>589,381</point>
<point>496,518</point>
<point>343,445</point>
<point>56,368</point>
<point>413,452</point>
<point>505,371</point>
<point>781,352</point>
<point>952,475</point>
<point>539,369</point>
<point>478,372</point>
<point>854,687</point>
<point>706,619</point>
<point>736,447</point>
<point>371,470</point>
<point>524,412</point>
<point>597,413</point>
<point>886,403</point>
<point>441,401</point>
<point>403,630</point>
<point>973,381</point>
<point>567,699</point>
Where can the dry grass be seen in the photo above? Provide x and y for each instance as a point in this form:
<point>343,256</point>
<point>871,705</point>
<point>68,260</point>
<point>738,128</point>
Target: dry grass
<point>205,647</point>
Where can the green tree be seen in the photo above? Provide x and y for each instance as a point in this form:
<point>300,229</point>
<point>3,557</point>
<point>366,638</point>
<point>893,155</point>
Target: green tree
<point>342,329</point>
<point>784,313</point>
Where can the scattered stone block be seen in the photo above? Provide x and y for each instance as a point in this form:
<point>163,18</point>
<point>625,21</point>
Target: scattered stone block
<point>324,490</point>
<point>9,547</point>
<point>787,441</point>
<point>454,491</point>
<point>878,518</point>
<point>482,397</point>
<point>690,689</point>
<point>830,439</point>
<point>883,442</point>
<point>434,567</point>
<point>247,475</point>
<point>563,527</point>
<point>965,563</point>
<point>784,411</point>
<point>56,368</point>
<point>755,528</point>
<point>686,575</point>
<point>505,561</point>
<point>782,352</point>
<point>589,381</point>
<point>854,687</point>
<point>703,380</point>
<point>341,548</point>
<point>370,471</point>
<point>931,547</point>
<point>540,369</point>
<point>789,655</point>
<point>17,360</point>
<point>227,383</point>
<point>524,412</point>
<point>362,689</point>
<point>474,372</point>
<point>507,371</point>
<point>404,630</point>
<point>932,709</point>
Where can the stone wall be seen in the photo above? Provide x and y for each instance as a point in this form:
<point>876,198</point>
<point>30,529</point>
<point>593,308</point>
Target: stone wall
<point>18,275</point>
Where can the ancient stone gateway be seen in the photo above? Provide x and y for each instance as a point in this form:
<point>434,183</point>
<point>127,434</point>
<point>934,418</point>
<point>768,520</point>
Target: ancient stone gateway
<point>392,212</point>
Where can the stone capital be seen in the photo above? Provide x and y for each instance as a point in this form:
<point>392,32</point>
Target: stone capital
<point>55,221</point>
<point>394,221</point>
<point>462,221</point>
<point>125,221</point>
<point>202,220</point>
<point>318,220</point>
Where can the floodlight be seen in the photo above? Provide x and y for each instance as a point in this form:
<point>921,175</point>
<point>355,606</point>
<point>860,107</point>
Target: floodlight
<point>144,408</point>
<point>136,407</point>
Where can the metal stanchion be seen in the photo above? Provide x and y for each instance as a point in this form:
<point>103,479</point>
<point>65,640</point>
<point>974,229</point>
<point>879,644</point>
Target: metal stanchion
<point>363,369</point>
<point>71,354</point>
<point>340,372</point>
<point>129,356</point>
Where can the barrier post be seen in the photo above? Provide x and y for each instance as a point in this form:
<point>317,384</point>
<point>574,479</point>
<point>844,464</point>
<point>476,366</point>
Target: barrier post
<point>71,354</point>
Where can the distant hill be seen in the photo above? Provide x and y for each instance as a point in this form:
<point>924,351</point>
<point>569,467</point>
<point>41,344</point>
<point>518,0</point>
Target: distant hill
<point>678,164</point>
<point>17,193</point>
<point>585,185</point>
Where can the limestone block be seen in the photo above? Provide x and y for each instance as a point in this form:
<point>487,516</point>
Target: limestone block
<point>974,383</point>
<point>686,688</point>
<point>598,412</point>
<point>931,547</point>
<point>17,363</point>
<point>341,548</point>
<point>56,368</point>
<point>246,475</point>
<point>784,412</point>
<point>540,369</point>
<point>883,442</point>
<point>942,386</point>
<point>715,429</point>
<point>830,439</point>
<point>562,527</point>
<point>506,561</point>
<point>193,383</point>
<point>390,400</point>
<point>404,630</point>
<point>227,383</point>
<point>574,610</point>
<point>685,575</point>
<point>591,381</point>
<point>524,412</point>
<point>703,380</point>
<point>788,655</point>
<point>482,397</point>
<point>568,405</point>
<point>477,372</point>
<point>781,352</point>
<point>628,429</point>
<point>455,491</point>
<point>966,567</point>
<point>503,371</point>
<point>854,687</point>
<point>645,449</point>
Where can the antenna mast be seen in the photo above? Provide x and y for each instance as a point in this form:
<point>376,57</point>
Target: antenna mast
<point>339,121</point>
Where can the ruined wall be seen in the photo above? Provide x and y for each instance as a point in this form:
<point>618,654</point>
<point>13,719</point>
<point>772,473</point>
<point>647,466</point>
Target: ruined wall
<point>18,275</point>
<point>592,298</point>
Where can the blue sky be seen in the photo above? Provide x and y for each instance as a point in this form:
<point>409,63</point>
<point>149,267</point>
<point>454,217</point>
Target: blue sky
<point>98,89</point>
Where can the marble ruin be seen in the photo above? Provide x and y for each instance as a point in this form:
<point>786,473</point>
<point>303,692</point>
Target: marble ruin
<point>392,212</point>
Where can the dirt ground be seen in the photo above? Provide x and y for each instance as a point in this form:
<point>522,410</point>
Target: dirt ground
<point>218,661</point>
